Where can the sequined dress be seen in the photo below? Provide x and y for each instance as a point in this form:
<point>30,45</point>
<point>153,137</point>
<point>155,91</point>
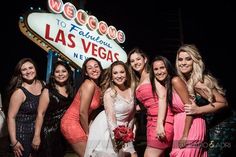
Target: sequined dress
<point>221,131</point>
<point>53,143</point>
<point>25,121</point>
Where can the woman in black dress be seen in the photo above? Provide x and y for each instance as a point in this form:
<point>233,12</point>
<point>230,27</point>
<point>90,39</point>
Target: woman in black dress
<point>24,91</point>
<point>53,103</point>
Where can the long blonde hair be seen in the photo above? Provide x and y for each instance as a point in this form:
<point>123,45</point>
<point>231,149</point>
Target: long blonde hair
<point>198,73</point>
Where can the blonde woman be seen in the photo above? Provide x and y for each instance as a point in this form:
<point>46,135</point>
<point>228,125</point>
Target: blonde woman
<point>210,100</point>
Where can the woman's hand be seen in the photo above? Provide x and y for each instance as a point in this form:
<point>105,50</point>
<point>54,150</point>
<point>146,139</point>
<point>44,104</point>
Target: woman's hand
<point>192,109</point>
<point>160,130</point>
<point>17,149</point>
<point>182,142</point>
<point>36,142</point>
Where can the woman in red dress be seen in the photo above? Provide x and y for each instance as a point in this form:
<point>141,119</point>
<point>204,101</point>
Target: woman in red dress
<point>75,122</point>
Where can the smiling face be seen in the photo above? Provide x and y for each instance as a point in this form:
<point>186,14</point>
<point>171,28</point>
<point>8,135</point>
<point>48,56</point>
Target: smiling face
<point>28,71</point>
<point>119,75</point>
<point>185,63</point>
<point>159,70</point>
<point>137,62</point>
<point>61,74</point>
<point>93,70</point>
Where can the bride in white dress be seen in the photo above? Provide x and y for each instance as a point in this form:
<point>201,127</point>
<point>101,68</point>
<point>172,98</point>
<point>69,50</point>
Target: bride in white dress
<point>119,110</point>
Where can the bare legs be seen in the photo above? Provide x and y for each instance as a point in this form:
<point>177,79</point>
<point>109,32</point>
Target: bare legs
<point>79,148</point>
<point>153,152</point>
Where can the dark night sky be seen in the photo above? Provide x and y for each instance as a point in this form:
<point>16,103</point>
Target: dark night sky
<point>210,27</point>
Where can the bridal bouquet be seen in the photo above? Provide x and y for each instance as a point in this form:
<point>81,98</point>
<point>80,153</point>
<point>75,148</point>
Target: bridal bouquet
<point>122,135</point>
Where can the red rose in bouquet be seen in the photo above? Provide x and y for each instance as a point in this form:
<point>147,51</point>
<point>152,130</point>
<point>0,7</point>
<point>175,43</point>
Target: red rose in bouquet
<point>122,135</point>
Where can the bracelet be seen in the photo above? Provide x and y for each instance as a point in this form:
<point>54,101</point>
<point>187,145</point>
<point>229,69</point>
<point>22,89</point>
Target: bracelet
<point>14,144</point>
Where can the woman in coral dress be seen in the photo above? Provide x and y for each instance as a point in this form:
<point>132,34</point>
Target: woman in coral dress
<point>75,122</point>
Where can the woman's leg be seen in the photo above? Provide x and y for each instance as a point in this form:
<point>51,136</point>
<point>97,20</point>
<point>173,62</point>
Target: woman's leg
<point>79,148</point>
<point>153,152</point>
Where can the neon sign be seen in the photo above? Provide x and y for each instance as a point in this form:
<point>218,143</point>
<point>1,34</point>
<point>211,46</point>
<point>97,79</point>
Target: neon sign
<point>76,35</point>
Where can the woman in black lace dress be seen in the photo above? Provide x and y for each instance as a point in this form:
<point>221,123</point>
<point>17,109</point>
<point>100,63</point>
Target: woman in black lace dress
<point>24,91</point>
<point>53,103</point>
<point>209,100</point>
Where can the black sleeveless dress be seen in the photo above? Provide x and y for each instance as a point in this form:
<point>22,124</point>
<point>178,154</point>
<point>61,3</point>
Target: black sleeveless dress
<point>25,120</point>
<point>221,131</point>
<point>53,143</point>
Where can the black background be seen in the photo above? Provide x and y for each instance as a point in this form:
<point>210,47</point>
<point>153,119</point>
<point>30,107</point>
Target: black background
<point>209,26</point>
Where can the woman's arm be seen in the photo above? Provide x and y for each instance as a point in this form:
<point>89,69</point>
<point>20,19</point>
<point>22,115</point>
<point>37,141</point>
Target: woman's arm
<point>181,89</point>
<point>219,102</point>
<point>162,109</point>
<point>42,108</point>
<point>85,95</point>
<point>132,120</point>
<point>16,100</point>
<point>108,101</point>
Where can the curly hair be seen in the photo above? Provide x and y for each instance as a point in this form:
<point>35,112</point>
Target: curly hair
<point>107,77</point>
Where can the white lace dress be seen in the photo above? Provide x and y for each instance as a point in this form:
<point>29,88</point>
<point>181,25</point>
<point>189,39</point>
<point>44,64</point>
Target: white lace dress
<point>118,111</point>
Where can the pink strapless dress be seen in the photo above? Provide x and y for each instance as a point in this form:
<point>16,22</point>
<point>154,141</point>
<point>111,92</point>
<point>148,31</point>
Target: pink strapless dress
<point>196,134</point>
<point>70,122</point>
<point>145,96</point>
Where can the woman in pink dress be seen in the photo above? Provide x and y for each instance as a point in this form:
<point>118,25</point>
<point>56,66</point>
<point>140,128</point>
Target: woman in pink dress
<point>210,101</point>
<point>189,131</point>
<point>75,122</point>
<point>159,115</point>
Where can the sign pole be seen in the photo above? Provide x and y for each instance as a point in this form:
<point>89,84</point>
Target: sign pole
<point>52,57</point>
